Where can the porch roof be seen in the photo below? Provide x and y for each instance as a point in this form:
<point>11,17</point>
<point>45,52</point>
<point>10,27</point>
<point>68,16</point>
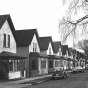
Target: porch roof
<point>56,57</point>
<point>36,54</point>
<point>10,55</point>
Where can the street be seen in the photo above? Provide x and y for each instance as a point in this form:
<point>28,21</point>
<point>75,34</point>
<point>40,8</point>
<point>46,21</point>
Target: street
<point>79,80</point>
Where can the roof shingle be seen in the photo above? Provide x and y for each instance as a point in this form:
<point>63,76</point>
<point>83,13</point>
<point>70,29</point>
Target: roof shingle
<point>44,42</point>
<point>56,46</point>
<point>25,36</point>
<point>64,49</point>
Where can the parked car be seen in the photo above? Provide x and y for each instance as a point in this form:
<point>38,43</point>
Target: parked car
<point>78,69</point>
<point>59,73</point>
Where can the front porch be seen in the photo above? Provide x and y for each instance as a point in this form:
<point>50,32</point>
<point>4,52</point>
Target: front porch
<point>38,64</point>
<point>11,65</point>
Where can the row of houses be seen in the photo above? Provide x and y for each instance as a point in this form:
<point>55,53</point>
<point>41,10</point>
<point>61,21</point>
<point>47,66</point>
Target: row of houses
<point>24,54</point>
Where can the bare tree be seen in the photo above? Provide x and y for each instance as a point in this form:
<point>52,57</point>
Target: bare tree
<point>83,44</point>
<point>68,26</point>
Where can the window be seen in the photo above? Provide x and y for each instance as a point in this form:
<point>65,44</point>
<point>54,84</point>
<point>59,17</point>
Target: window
<point>14,65</point>
<point>50,64</point>
<point>43,64</point>
<point>18,64</point>
<point>9,41</point>
<point>34,47</point>
<point>6,43</point>
<point>4,40</point>
<point>11,65</point>
<point>33,64</point>
<point>61,63</point>
<point>56,63</point>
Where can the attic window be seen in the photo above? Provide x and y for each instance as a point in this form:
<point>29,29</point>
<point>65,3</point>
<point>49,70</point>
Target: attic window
<point>4,40</point>
<point>8,40</point>
<point>34,47</point>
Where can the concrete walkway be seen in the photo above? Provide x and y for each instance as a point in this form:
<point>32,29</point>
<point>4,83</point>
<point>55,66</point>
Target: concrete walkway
<point>17,84</point>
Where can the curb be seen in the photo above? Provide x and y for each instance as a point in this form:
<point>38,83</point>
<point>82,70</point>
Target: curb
<point>35,83</point>
<point>47,79</point>
<point>41,80</point>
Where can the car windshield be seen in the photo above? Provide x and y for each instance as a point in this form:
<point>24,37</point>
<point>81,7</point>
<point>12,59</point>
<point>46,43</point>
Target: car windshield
<point>59,70</point>
<point>77,67</point>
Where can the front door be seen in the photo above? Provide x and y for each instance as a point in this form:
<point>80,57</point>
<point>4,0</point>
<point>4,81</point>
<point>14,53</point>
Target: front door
<point>4,69</point>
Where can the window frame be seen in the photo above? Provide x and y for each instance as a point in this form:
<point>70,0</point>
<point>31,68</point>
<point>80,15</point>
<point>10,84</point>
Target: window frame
<point>4,40</point>
<point>43,63</point>
<point>9,41</point>
<point>11,65</point>
<point>34,47</point>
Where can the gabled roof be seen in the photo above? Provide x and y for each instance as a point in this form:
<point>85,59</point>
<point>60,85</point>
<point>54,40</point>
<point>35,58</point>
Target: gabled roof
<point>44,42</point>
<point>3,18</point>
<point>56,46</point>
<point>64,49</point>
<point>25,36</point>
<point>10,55</point>
<point>36,54</point>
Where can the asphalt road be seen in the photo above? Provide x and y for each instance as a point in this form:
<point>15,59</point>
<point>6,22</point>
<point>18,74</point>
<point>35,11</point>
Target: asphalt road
<point>79,80</point>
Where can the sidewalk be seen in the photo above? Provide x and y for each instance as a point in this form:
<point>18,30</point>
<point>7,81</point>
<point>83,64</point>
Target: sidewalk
<point>26,81</point>
<point>19,83</point>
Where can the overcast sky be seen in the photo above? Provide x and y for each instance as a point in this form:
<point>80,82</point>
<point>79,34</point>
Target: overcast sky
<point>41,14</point>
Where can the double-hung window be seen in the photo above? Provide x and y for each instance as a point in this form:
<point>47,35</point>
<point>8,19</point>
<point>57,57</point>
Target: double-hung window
<point>34,47</point>
<point>9,41</point>
<point>11,65</point>
<point>6,41</point>
<point>18,64</point>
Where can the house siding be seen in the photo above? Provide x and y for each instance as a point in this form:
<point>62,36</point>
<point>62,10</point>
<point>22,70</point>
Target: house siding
<point>23,51</point>
<point>59,53</point>
<point>45,69</point>
<point>50,46</point>
<point>6,30</point>
<point>34,40</point>
<point>40,70</point>
<point>52,53</point>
